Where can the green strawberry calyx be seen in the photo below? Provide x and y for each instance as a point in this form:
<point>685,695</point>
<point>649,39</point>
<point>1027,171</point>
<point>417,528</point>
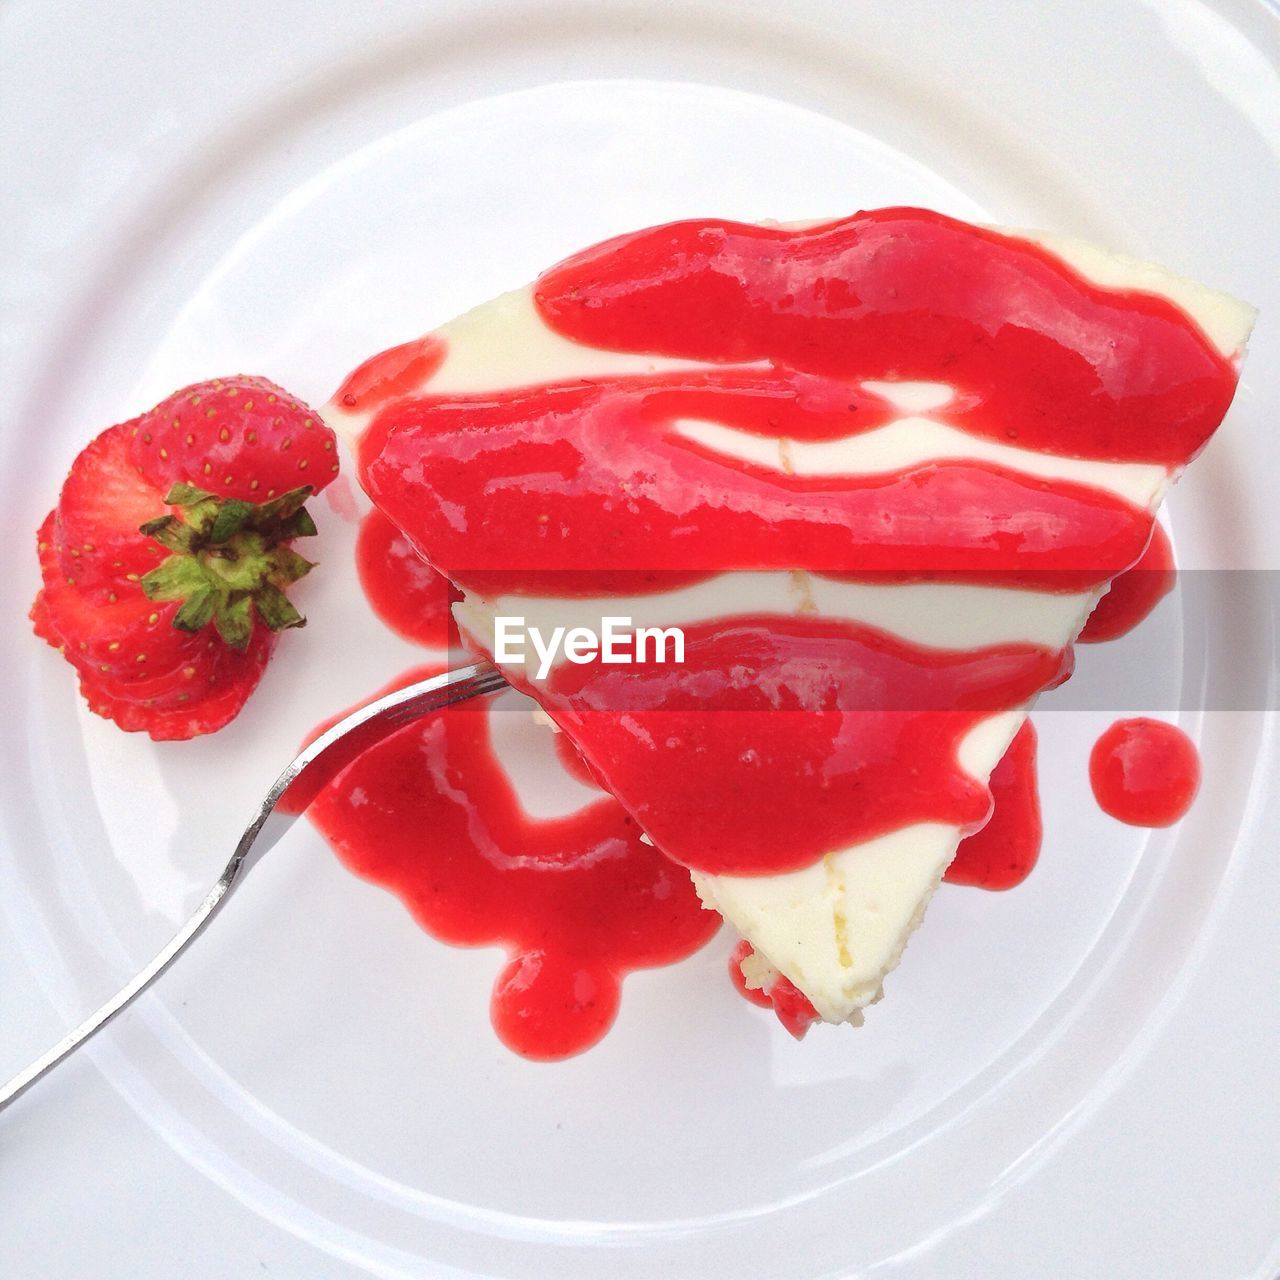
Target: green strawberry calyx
<point>230,560</point>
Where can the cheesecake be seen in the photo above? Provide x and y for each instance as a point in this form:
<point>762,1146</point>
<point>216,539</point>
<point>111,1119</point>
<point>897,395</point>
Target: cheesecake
<point>875,472</point>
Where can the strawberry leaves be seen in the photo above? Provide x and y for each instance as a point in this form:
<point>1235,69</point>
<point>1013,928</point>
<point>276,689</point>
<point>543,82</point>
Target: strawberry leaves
<point>230,560</point>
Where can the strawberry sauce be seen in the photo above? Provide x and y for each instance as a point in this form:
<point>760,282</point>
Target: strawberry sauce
<point>1039,357</point>
<point>790,1005</point>
<point>578,902</point>
<point>404,590</point>
<point>586,490</point>
<point>703,752</point>
<point>1144,772</point>
<point>390,374</point>
<point>1003,852</point>
<point>781,738</point>
<point>1134,594</point>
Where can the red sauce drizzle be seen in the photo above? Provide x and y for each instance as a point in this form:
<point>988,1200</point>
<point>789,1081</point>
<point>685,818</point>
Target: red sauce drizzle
<point>1002,853</point>
<point>793,1008</point>
<point>390,374</point>
<point>1039,357</point>
<point>403,589</point>
<point>586,490</point>
<point>587,487</point>
<point>781,738</point>
<point>578,901</point>
<point>1144,772</point>
<point>1134,594</point>
<point>571,758</point>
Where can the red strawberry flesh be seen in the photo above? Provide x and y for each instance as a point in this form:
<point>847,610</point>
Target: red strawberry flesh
<point>103,502</point>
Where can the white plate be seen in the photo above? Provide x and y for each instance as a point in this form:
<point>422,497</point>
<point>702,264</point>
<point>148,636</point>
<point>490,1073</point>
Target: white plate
<point>1074,1079</point>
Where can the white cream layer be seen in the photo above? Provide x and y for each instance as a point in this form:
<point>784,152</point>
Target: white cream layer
<point>937,615</point>
<point>911,441</point>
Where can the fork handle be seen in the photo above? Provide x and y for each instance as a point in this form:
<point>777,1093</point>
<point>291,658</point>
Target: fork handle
<point>265,830</point>
<point>294,789</point>
<point>127,994</point>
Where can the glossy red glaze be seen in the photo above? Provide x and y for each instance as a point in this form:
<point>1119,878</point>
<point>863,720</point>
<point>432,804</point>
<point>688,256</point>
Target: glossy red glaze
<point>571,758</point>
<point>390,374</point>
<point>1038,356</point>
<point>404,590</point>
<point>588,490</point>
<point>793,1008</point>
<point>589,487</point>
<point>1134,593</point>
<point>1002,853</point>
<point>1144,772</point>
<point>779,739</point>
<point>756,995</point>
<point>578,901</point>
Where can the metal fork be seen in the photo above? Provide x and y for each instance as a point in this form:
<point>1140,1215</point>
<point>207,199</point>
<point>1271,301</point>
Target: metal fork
<point>294,789</point>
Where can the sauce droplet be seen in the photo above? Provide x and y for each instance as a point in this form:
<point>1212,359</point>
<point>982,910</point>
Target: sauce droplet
<point>1144,772</point>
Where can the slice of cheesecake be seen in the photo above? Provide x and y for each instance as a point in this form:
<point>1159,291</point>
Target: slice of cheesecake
<point>877,472</point>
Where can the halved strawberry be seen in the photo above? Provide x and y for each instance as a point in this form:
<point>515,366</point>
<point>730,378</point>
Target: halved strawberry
<point>167,596</point>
